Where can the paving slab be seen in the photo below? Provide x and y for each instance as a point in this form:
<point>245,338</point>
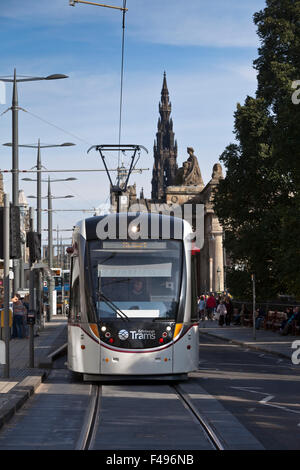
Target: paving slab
<point>23,380</point>
<point>265,340</point>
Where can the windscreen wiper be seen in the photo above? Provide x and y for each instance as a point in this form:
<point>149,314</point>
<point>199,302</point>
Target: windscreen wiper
<point>113,306</point>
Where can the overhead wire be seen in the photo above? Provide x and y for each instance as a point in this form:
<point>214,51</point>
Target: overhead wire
<point>122,80</point>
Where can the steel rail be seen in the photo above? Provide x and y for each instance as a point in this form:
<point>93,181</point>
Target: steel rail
<point>204,424</point>
<point>89,425</point>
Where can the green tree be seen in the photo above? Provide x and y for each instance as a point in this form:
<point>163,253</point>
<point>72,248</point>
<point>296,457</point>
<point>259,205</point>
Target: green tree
<point>258,202</point>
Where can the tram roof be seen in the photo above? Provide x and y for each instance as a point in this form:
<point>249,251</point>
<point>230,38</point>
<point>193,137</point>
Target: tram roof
<point>162,223</point>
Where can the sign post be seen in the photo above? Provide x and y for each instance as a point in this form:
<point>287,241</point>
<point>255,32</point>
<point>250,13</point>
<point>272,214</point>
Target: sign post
<point>253,314</point>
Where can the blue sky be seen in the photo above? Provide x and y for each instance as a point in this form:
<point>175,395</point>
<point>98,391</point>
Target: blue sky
<point>205,47</point>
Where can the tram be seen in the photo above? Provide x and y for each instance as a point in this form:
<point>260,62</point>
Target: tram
<point>133,305</point>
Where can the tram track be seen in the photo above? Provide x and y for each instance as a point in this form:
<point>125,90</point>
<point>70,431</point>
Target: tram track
<point>92,418</point>
<point>187,403</point>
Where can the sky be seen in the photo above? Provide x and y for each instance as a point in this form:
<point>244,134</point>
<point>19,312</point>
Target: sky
<point>205,47</point>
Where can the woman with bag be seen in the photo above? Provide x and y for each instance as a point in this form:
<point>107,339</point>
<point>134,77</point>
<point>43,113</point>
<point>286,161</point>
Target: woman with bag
<point>221,312</point>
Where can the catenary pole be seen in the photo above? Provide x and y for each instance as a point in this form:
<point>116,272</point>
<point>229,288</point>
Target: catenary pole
<point>6,283</point>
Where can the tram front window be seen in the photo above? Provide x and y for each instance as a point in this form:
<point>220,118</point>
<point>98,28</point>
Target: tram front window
<point>141,278</point>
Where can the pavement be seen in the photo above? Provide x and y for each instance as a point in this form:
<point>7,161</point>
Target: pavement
<point>263,340</point>
<point>23,380</point>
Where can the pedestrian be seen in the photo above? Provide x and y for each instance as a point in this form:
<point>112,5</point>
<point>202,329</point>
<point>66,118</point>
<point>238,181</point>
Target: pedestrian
<point>19,317</point>
<point>242,313</point>
<point>201,308</point>
<point>210,306</point>
<point>221,312</point>
<point>229,309</point>
<point>285,329</point>
<point>26,303</point>
<point>260,317</point>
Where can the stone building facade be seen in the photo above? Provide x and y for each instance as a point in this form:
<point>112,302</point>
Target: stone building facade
<point>173,185</point>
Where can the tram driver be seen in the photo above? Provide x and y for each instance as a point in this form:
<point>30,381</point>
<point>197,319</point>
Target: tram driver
<point>138,292</point>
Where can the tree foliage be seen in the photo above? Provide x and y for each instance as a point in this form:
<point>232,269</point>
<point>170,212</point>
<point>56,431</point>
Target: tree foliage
<point>258,202</point>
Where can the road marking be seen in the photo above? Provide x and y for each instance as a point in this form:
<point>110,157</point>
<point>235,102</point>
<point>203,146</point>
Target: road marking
<point>264,401</point>
<point>247,389</point>
<point>283,408</point>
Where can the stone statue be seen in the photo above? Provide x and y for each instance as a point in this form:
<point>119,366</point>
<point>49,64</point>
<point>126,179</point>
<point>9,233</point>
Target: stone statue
<point>189,174</point>
<point>217,172</point>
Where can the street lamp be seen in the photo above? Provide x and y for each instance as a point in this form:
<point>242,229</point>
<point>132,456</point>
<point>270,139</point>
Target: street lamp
<point>47,197</point>
<point>73,2</point>
<point>50,240</point>
<point>38,146</point>
<point>39,180</point>
<point>50,210</point>
<point>15,138</point>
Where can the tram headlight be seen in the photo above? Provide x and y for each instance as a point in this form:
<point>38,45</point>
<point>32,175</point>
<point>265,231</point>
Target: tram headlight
<point>133,231</point>
<point>103,328</point>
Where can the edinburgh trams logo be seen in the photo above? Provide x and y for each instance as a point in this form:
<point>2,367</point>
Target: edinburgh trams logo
<point>123,335</point>
<point>139,334</point>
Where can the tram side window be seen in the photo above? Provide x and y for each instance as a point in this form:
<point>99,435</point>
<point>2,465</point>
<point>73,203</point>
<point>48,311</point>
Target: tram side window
<point>194,306</point>
<point>76,300</point>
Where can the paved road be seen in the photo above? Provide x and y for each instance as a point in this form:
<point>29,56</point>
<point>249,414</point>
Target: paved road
<point>250,399</point>
<point>261,390</point>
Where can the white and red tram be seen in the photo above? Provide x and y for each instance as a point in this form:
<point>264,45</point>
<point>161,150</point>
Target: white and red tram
<point>133,304</point>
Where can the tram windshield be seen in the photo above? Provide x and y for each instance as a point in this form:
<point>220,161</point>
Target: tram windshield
<point>140,278</point>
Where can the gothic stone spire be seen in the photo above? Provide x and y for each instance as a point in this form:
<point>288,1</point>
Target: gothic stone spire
<point>165,148</point>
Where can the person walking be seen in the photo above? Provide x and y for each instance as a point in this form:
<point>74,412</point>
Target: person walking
<point>210,306</point>
<point>221,312</point>
<point>229,309</point>
<point>201,308</point>
<point>19,317</point>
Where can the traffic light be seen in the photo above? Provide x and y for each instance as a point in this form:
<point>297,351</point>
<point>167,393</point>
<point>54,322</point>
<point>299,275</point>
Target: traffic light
<point>14,233</point>
<point>33,242</point>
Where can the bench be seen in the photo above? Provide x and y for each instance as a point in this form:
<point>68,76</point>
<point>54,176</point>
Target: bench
<point>247,321</point>
<point>268,323</point>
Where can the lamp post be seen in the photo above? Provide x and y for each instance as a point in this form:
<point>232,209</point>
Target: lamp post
<point>73,2</point>
<point>224,261</point>
<point>50,238</point>
<point>38,167</point>
<point>5,235</point>
<point>38,146</point>
<point>218,273</point>
<point>15,139</point>
<point>253,305</point>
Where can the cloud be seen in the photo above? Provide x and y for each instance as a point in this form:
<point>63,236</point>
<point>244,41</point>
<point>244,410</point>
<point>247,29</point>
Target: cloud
<point>197,23</point>
<point>212,23</point>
